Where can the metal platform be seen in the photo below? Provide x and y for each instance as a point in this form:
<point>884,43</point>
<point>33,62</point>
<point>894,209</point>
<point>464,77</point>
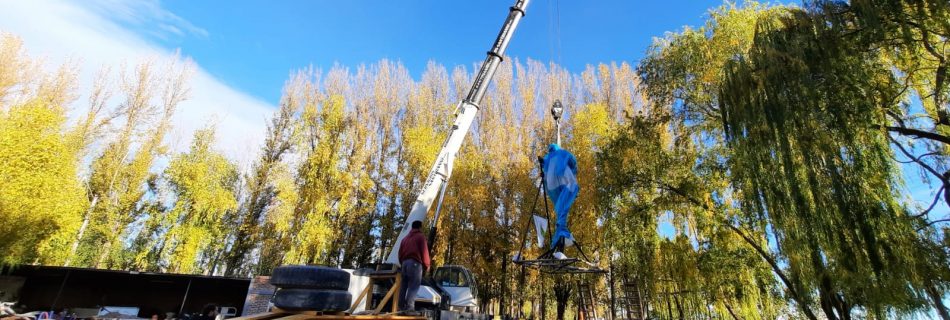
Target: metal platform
<point>573,270</point>
<point>547,262</point>
<point>559,266</point>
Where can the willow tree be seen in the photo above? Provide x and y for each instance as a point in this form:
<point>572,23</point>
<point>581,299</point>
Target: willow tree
<point>671,162</point>
<point>802,113</point>
<point>651,172</point>
<point>912,36</point>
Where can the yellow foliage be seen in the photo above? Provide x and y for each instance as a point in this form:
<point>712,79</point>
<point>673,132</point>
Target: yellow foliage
<point>41,199</point>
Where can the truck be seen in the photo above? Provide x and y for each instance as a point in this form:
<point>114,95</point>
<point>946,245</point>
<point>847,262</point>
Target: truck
<point>450,292</point>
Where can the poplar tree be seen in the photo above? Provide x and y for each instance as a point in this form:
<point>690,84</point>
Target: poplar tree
<point>41,197</point>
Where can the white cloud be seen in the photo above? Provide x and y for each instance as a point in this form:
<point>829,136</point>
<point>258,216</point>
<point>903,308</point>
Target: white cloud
<point>98,34</point>
<point>144,14</point>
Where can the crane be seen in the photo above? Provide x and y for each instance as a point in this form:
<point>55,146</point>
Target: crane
<point>450,293</point>
<point>465,112</point>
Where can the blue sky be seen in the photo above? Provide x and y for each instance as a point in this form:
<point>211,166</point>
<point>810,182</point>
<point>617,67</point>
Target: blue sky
<point>244,51</point>
<point>253,47</point>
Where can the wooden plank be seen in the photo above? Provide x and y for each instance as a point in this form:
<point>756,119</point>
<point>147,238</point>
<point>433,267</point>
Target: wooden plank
<point>299,316</point>
<point>387,316</point>
<point>369,294</point>
<point>279,310</point>
<point>382,303</point>
<point>261,316</point>
<point>370,317</point>
<point>360,298</point>
<point>397,286</point>
<point>314,315</point>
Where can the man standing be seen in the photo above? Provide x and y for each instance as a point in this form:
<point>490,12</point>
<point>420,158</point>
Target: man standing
<point>414,257</point>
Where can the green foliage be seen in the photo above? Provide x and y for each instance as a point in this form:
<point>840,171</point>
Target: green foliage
<point>793,111</point>
<point>829,197</point>
<point>685,69</point>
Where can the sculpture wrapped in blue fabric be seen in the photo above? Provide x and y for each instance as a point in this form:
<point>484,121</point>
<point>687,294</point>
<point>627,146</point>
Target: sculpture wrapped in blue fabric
<point>560,182</point>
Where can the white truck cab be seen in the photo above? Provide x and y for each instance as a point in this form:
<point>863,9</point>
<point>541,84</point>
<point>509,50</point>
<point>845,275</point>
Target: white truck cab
<point>459,283</point>
<point>450,293</point>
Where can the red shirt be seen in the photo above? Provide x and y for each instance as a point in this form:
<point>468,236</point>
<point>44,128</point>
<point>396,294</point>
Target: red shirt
<point>414,247</point>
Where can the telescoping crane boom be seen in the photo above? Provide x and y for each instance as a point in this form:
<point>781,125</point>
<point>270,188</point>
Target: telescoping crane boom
<point>465,113</point>
<point>450,293</point>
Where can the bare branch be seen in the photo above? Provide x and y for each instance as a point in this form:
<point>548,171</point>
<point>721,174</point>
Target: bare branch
<point>919,134</point>
<point>933,223</point>
<point>921,163</point>
<point>932,203</point>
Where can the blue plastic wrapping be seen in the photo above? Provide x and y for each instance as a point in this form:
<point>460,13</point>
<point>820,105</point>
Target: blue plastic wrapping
<point>560,179</point>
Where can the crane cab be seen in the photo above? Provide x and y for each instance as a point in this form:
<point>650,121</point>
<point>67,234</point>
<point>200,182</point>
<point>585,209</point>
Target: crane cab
<point>459,283</point>
<point>450,293</point>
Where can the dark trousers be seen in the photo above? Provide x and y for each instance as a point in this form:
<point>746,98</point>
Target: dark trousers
<point>411,280</point>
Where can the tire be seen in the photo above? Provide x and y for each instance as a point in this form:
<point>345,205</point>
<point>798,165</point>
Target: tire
<point>310,277</point>
<point>313,300</point>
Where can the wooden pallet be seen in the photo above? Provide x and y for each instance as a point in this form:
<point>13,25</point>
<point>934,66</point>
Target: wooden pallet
<point>392,294</point>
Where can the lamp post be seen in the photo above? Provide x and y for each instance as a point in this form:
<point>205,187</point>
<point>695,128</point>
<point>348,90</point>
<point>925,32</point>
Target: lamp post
<point>557,110</point>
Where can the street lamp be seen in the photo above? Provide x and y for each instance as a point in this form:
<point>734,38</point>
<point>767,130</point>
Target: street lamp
<point>557,110</point>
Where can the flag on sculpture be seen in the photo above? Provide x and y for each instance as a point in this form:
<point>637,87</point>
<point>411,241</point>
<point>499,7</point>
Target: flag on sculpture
<point>560,181</point>
<point>540,228</point>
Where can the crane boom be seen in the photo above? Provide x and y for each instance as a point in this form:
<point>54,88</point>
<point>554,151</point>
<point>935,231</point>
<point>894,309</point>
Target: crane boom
<point>465,114</point>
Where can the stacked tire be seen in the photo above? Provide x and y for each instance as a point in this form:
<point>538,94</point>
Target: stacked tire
<point>311,288</point>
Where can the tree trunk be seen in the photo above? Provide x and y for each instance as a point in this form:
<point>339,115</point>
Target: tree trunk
<point>613,298</point>
<point>731,313</point>
<point>544,301</point>
<point>104,256</point>
<point>669,308</point>
<point>937,298</point>
<point>520,311</point>
<point>503,306</point>
<point>789,285</point>
<point>679,307</point>
<point>82,231</point>
<point>562,293</point>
